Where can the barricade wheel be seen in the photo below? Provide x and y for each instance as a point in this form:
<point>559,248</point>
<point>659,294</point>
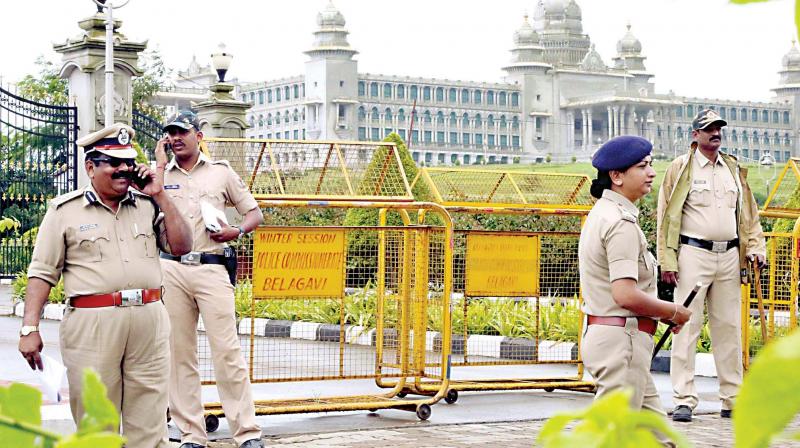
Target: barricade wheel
<point>212,423</point>
<point>451,397</point>
<point>423,412</point>
<point>402,394</point>
<point>549,389</point>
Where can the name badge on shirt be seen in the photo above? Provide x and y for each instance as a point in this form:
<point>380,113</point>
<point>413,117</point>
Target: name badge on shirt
<point>694,181</point>
<point>85,227</point>
<point>172,187</point>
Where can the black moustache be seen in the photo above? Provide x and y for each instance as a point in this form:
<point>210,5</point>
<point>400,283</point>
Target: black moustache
<point>124,175</point>
<point>715,139</point>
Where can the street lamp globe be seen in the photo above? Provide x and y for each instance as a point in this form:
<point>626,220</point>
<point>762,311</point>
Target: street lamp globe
<point>221,62</point>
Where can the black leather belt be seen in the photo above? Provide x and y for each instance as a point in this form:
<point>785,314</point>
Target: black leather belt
<point>195,258</point>
<point>713,246</point>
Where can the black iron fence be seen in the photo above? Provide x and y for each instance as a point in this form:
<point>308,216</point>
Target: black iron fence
<point>38,161</point>
<point>148,131</point>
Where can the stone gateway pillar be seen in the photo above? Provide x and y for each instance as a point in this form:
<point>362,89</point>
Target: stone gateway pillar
<point>83,67</point>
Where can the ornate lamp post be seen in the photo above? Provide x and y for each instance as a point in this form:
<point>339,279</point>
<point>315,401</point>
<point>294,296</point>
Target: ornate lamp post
<point>221,62</point>
<point>109,71</point>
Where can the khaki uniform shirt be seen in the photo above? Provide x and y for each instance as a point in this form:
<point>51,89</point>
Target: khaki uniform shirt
<point>611,247</point>
<point>709,212</point>
<point>95,249</point>
<point>211,181</point>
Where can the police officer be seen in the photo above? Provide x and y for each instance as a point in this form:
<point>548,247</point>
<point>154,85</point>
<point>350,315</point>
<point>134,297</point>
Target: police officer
<point>618,276</point>
<point>198,283</point>
<point>103,239</point>
<point>708,228</point>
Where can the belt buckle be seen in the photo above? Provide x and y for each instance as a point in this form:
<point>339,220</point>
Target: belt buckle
<point>191,259</point>
<point>131,297</point>
<point>719,246</point>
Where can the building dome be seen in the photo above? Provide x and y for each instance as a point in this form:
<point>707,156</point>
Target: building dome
<point>556,7</point>
<point>792,58</point>
<point>525,35</point>
<point>629,44</point>
<point>573,10</point>
<point>330,17</point>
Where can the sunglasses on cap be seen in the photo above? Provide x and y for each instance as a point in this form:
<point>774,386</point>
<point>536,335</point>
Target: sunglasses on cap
<point>114,162</point>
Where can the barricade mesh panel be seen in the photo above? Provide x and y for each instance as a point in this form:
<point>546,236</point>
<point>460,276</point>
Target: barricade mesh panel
<point>319,170</point>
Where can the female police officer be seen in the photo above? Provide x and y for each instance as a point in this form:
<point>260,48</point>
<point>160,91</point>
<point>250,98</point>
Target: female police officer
<point>618,277</point>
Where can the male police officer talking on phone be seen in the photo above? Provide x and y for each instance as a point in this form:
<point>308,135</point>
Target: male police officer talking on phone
<point>102,239</point>
<point>197,283</point>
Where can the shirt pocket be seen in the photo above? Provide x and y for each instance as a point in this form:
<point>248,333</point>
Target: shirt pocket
<point>699,195</point>
<point>144,239</point>
<point>91,245</point>
<point>730,193</point>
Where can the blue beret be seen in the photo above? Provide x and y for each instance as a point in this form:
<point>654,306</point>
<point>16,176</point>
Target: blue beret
<point>621,152</point>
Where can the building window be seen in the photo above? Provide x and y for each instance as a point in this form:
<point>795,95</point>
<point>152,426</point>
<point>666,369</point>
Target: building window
<point>401,115</point>
<point>479,139</point>
<point>722,112</point>
<point>253,97</point>
<point>244,98</point>
<point>490,97</point>
<point>515,123</point>
<point>743,114</point>
<point>387,90</point>
<point>503,123</point>
<point>269,119</point>
<point>478,123</point>
<point>374,113</point>
<point>503,141</point>
<point>341,83</point>
<point>427,136</point>
<point>413,92</point>
<point>375,134</point>
<point>296,90</point>
<point>260,97</point>
<point>386,131</point>
<point>439,118</point>
<point>440,94</point>
<point>501,98</point>
<point>755,138</point>
<point>786,140</point>
<point>452,96</point>
<point>296,134</point>
<point>753,115</point>
<point>453,138</point>
<point>296,115</point>
<point>734,137</point>
<point>490,140</point>
<point>786,118</point>
<point>515,99</point>
<point>765,116</point>
<point>286,93</point>
<point>776,117</point>
<point>440,137</point>
<point>373,89</point>
<point>415,136</point>
<point>465,139</point>
<point>362,113</point>
<point>427,116</point>
<point>490,122</point>
<point>478,97</point>
<point>689,111</point>
<point>426,93</point>
<point>515,141</point>
<point>465,120</point>
<point>453,121</point>
<point>260,120</point>
<point>401,91</point>
<point>362,88</point>
<point>277,94</point>
<point>466,159</point>
<point>387,114</point>
<point>464,96</point>
<point>679,111</point>
<point>286,120</point>
<point>733,113</point>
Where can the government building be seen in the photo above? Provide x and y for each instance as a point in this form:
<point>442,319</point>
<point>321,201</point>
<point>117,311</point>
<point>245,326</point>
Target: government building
<point>559,101</point>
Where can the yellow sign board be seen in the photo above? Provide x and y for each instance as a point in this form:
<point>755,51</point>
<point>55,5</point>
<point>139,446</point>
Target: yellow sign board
<point>502,265</point>
<point>298,262</point>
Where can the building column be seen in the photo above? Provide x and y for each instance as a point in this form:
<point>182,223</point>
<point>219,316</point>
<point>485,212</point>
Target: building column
<point>622,124</point>
<point>610,122</point>
<point>589,130</point>
<point>583,129</point>
<point>571,131</point>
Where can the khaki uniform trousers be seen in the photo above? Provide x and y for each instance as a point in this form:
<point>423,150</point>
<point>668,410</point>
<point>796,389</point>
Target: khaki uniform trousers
<point>128,347</point>
<point>723,298</point>
<point>206,290</point>
<point>619,357</point>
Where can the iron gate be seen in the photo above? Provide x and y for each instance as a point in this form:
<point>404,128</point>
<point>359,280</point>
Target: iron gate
<point>38,161</point>
<point>148,131</point>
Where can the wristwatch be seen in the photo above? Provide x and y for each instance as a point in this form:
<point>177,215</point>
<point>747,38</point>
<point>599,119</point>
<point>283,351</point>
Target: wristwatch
<point>28,329</point>
<point>241,232</point>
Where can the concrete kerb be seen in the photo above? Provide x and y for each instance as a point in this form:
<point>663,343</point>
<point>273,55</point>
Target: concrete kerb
<point>500,347</point>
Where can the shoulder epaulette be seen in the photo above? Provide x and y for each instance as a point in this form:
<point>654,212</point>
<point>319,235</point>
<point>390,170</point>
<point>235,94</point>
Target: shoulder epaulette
<point>66,197</point>
<point>221,162</point>
<point>627,216</point>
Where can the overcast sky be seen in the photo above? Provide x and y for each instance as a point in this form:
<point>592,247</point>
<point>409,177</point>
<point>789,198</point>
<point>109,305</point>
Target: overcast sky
<point>705,48</point>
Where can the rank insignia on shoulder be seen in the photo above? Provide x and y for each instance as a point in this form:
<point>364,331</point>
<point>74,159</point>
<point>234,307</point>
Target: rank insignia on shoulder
<point>172,187</point>
<point>628,216</point>
<point>85,227</point>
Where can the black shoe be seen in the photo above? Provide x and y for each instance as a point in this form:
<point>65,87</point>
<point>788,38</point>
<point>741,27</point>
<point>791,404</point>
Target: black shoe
<point>191,445</point>
<point>252,443</point>
<point>726,413</point>
<point>682,413</point>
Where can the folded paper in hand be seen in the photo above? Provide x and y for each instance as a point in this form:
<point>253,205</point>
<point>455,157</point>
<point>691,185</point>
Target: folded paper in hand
<point>52,377</point>
<point>212,217</point>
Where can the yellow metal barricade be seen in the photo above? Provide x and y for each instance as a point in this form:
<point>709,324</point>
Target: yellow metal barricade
<point>330,307</point>
<point>516,319</point>
<point>779,280</point>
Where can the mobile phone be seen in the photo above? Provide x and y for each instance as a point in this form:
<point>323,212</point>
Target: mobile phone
<point>140,182</point>
<point>167,147</point>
